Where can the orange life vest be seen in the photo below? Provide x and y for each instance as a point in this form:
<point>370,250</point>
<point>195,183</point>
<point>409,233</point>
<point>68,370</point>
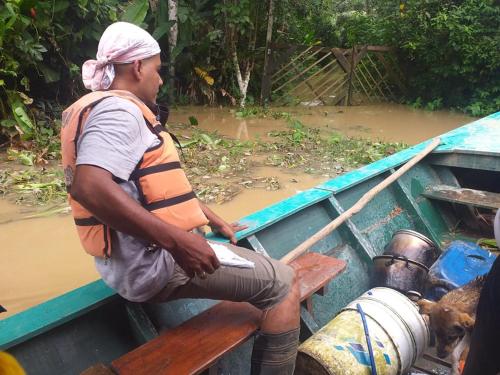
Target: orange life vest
<point>163,186</point>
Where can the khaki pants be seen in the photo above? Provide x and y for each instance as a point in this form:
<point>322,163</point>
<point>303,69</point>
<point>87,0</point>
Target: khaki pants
<point>264,286</point>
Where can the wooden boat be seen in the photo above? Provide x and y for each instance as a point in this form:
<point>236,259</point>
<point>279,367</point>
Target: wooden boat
<point>440,198</point>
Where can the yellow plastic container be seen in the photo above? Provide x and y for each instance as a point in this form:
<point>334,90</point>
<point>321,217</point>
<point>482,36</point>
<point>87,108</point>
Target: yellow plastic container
<point>398,336</point>
<point>339,348</point>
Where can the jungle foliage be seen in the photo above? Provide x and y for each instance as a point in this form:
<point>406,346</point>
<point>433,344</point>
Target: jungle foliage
<point>447,49</point>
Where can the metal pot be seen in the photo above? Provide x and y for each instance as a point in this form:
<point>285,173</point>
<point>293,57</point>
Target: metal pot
<point>413,246</point>
<point>399,273</point>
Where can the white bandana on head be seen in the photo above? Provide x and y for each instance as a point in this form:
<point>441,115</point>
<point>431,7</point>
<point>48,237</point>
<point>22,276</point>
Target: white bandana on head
<point>121,43</point>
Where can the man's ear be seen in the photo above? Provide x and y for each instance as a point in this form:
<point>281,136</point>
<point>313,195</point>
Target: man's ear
<point>425,306</point>
<point>137,69</point>
<point>467,321</point>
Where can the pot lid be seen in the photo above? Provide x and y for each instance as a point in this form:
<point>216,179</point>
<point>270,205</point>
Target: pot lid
<point>418,235</point>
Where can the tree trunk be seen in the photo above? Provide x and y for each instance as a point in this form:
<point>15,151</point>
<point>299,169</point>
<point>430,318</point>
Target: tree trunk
<point>242,79</point>
<point>172,43</point>
<point>265,85</point>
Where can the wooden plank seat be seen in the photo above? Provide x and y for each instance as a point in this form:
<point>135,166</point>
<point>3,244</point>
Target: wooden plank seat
<point>465,196</point>
<point>198,343</point>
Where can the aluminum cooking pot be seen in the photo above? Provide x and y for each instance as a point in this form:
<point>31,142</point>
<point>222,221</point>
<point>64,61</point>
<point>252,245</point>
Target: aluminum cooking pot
<point>413,246</point>
<point>400,273</point>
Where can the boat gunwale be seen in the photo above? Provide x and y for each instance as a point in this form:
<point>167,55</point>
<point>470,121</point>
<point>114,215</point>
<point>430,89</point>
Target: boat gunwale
<point>53,313</point>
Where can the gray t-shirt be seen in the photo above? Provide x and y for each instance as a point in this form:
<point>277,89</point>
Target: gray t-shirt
<point>115,138</point>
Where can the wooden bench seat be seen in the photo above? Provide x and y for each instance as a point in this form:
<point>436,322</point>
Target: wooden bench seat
<point>198,343</point>
<point>465,196</point>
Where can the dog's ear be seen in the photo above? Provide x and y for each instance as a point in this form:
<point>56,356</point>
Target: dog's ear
<point>425,306</point>
<point>467,321</point>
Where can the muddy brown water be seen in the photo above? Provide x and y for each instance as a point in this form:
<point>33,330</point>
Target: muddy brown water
<point>42,258</point>
<point>388,122</point>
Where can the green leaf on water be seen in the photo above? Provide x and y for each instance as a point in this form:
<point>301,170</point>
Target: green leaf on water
<point>206,139</point>
<point>193,120</point>
<point>188,143</point>
<point>24,157</point>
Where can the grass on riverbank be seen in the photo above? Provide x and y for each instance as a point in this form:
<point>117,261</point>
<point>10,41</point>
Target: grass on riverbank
<point>219,168</point>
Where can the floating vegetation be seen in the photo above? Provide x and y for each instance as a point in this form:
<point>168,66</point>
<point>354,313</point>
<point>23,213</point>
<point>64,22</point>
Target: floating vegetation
<point>219,168</point>
<point>33,186</point>
<point>22,156</point>
<point>302,146</point>
<point>360,151</point>
<point>39,213</point>
<point>267,183</point>
<point>216,192</point>
<point>261,112</point>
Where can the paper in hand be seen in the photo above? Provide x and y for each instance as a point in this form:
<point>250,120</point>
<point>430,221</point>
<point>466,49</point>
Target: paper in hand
<point>228,258</point>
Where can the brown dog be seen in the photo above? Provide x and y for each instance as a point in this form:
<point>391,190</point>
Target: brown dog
<point>452,319</point>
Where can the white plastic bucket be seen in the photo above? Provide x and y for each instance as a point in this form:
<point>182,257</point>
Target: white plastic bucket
<point>398,336</point>
<point>400,319</point>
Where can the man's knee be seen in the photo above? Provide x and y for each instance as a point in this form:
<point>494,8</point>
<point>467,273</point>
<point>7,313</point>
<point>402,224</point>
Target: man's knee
<point>287,278</point>
<point>279,287</point>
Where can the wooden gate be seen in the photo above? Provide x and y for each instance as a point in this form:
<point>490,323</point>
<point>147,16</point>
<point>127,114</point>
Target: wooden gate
<point>330,76</point>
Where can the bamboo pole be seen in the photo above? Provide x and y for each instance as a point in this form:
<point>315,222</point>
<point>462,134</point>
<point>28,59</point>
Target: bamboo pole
<point>382,78</point>
<point>351,72</point>
<point>358,206</point>
<point>377,84</point>
<point>303,72</point>
<point>277,77</point>
<point>333,85</point>
<point>315,74</point>
<point>361,84</point>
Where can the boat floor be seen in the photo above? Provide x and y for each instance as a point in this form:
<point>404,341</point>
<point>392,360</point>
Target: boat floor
<point>429,363</point>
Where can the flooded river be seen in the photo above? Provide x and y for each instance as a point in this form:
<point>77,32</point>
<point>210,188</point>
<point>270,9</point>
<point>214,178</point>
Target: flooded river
<point>388,122</point>
<point>42,258</point>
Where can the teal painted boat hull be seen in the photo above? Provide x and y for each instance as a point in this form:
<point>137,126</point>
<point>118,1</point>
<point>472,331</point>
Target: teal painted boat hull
<point>92,324</point>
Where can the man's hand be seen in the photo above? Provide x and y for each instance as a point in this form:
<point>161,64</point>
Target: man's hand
<point>228,230</point>
<point>220,226</point>
<point>193,253</point>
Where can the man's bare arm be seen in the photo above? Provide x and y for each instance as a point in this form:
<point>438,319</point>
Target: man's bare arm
<point>94,189</point>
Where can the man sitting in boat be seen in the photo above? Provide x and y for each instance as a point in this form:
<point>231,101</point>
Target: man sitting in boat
<point>135,210</point>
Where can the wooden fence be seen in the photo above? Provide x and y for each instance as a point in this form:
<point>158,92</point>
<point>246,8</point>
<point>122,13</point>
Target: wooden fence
<point>330,76</point>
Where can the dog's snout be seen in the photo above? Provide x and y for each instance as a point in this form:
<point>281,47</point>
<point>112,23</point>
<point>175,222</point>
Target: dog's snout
<point>442,352</point>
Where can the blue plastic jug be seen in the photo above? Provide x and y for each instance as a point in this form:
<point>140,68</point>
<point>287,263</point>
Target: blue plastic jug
<point>458,265</point>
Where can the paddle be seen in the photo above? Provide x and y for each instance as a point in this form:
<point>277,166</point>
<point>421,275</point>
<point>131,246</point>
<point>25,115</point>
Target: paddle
<point>358,206</point>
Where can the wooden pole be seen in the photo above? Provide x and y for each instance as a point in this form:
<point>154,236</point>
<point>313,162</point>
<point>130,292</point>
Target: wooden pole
<point>351,73</point>
<point>304,246</point>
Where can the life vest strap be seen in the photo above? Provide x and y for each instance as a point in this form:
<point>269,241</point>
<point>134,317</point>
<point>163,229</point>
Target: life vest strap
<point>87,222</point>
<point>138,173</point>
<point>85,110</point>
<point>170,201</point>
<point>159,128</point>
